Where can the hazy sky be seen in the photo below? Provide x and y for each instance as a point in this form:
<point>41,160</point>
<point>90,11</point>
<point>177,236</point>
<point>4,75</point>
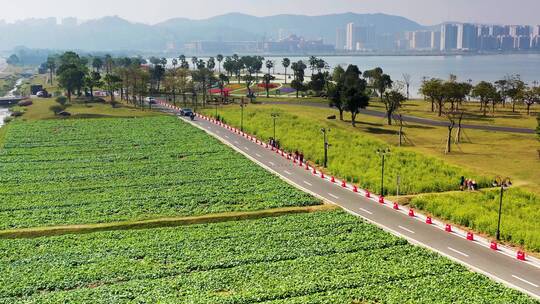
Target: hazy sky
<point>153,11</point>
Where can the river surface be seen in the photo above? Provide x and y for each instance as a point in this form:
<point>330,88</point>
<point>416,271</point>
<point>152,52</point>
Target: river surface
<point>476,68</point>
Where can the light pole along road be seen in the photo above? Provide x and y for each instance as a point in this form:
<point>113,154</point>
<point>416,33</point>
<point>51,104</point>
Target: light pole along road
<point>506,269</point>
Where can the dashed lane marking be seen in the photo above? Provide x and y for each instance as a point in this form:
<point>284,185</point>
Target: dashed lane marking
<point>458,252</point>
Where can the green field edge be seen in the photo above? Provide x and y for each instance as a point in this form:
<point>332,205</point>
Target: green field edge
<point>159,222</point>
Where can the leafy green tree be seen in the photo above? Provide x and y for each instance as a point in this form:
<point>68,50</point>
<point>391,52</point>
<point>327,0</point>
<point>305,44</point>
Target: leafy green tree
<point>393,100</point>
<point>485,91</point>
<point>286,63</point>
<point>382,83</point>
<point>157,72</point>
<point>211,63</point>
<point>355,100</point>
<point>62,100</point>
<point>71,73</point>
<point>92,81</point>
<point>204,77</point>
<point>317,83</point>
<point>433,89</point>
<point>538,127</point>
<point>112,83</point>
<point>531,96</point>
<point>97,64</point>
<point>51,66</point>
<point>516,89</point>
<point>299,69</point>
<point>336,100</point>
<point>269,65</point>
<point>57,108</point>
<point>267,80</point>
<point>222,80</point>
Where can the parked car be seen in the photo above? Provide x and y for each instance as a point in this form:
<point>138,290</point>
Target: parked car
<point>43,94</point>
<point>150,100</point>
<point>186,112</point>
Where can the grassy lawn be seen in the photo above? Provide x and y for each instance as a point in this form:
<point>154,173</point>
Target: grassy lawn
<point>473,115</point>
<point>422,164</point>
<point>321,257</point>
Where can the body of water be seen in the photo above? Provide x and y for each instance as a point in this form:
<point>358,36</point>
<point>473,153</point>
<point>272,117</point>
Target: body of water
<point>476,68</point>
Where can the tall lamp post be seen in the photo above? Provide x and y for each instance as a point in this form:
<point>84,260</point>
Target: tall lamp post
<point>503,183</point>
<point>242,105</point>
<point>326,146</point>
<point>274,117</point>
<point>382,153</point>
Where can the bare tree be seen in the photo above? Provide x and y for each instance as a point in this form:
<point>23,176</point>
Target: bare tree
<point>407,80</point>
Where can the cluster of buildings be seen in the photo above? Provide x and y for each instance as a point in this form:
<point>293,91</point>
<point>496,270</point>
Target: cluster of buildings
<point>285,45</point>
<point>473,37</point>
<point>451,37</point>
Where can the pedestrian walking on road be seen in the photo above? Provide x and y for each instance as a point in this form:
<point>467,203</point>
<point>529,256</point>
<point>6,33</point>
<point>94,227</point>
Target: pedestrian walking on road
<point>301,157</point>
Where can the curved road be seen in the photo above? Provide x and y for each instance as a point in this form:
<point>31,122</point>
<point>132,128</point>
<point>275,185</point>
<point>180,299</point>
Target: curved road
<point>500,265</point>
<point>413,119</point>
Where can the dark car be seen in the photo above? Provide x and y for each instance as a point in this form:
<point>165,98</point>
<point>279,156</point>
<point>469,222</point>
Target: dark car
<point>186,112</point>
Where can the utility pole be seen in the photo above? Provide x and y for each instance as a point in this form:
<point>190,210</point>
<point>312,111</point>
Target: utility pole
<point>503,183</point>
<point>274,117</point>
<point>382,153</point>
<point>242,105</point>
<point>400,130</point>
<point>326,146</point>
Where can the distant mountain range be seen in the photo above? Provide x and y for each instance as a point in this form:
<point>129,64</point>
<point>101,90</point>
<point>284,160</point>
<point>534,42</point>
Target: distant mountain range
<point>117,34</point>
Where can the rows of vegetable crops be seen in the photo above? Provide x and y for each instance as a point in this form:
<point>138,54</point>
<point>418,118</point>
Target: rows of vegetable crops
<point>56,172</point>
<point>323,257</point>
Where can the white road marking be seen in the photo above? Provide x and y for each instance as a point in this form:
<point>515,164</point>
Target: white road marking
<point>271,163</point>
<point>246,148</point>
<point>458,252</point>
<point>309,184</point>
<point>525,281</point>
<point>406,229</point>
<point>227,136</point>
<point>258,155</point>
<point>336,197</point>
<point>366,211</point>
<point>287,172</point>
<point>236,142</point>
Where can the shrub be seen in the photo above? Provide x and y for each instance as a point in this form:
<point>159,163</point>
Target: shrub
<point>61,100</point>
<point>25,103</point>
<point>57,108</point>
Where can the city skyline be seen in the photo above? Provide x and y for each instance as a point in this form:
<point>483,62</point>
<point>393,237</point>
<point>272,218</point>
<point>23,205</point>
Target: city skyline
<point>425,12</point>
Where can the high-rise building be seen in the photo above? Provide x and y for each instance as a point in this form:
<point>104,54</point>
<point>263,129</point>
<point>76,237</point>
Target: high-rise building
<point>421,40</point>
<point>360,37</point>
<point>449,33</point>
<point>535,43</point>
<point>341,39</point>
<point>352,37</point>
<point>483,30</point>
<point>506,43</point>
<point>536,30</point>
<point>467,37</point>
<point>522,42</point>
<point>488,43</point>
<point>520,30</point>
<point>435,40</point>
<point>498,30</point>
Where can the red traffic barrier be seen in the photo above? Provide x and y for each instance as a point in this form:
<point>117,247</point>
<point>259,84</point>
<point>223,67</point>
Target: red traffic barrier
<point>411,212</point>
<point>307,167</point>
<point>344,184</point>
<point>368,195</point>
<point>282,154</point>
<point>322,175</point>
<point>396,206</point>
<point>314,170</point>
<point>493,246</point>
<point>429,221</point>
<point>521,255</point>
<point>294,160</point>
<point>470,236</point>
<point>448,228</point>
<point>381,199</point>
<point>333,180</point>
<point>355,189</point>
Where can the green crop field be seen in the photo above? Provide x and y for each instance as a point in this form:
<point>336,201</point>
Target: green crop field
<point>352,154</point>
<point>56,172</point>
<point>479,211</point>
<point>323,257</point>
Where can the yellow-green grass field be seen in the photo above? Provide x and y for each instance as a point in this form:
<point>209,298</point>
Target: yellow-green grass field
<point>482,153</point>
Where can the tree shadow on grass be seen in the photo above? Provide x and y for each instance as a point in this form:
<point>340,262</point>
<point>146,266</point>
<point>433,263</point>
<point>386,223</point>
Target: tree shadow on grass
<point>381,131</point>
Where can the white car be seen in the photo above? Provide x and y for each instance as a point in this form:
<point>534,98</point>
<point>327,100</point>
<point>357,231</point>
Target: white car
<point>150,100</point>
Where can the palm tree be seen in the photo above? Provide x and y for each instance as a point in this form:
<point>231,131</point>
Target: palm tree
<point>286,63</point>
<point>219,58</point>
<point>269,65</point>
<point>194,60</point>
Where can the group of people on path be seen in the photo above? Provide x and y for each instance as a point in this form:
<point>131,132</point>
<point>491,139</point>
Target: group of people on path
<point>298,156</point>
<point>274,143</point>
<point>467,184</point>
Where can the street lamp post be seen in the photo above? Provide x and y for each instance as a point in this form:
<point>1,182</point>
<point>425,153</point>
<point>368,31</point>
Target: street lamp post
<point>326,146</point>
<point>503,183</point>
<point>242,105</point>
<point>274,117</point>
<point>382,153</point>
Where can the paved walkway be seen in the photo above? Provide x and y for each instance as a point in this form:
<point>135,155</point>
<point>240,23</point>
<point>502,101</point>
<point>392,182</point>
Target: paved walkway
<point>413,119</point>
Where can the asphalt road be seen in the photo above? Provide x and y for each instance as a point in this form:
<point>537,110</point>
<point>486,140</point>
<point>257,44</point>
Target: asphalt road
<point>414,119</point>
<point>524,276</point>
